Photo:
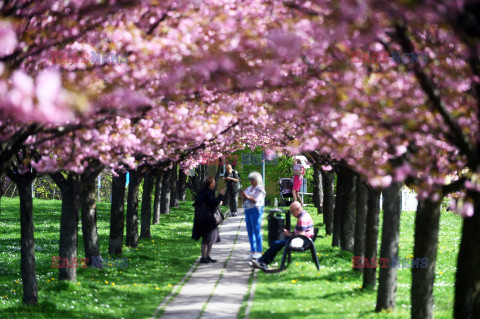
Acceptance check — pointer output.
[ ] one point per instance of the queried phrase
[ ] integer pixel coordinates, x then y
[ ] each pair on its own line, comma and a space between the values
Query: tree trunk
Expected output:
387, 282
347, 231
199, 178
27, 240
360, 220
427, 223
339, 207
117, 221
328, 179
174, 187
89, 218
157, 197
204, 175
132, 209
467, 283
70, 188
371, 238
217, 177
317, 189
182, 185
147, 205
166, 192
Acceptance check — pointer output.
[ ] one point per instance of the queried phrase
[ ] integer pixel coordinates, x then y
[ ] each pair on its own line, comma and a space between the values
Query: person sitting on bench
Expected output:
304, 227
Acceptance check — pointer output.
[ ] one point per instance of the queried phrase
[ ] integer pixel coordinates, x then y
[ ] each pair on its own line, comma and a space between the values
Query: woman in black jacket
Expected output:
204, 223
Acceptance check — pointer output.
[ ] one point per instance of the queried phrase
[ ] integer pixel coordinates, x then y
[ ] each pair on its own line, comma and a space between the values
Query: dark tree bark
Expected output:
339, 207
157, 197
370, 274
89, 217
427, 223
317, 189
196, 181
328, 178
182, 185
146, 213
27, 240
10, 145
204, 175
174, 187
467, 282
347, 230
166, 192
387, 281
217, 178
132, 209
70, 187
360, 220
117, 216
201, 174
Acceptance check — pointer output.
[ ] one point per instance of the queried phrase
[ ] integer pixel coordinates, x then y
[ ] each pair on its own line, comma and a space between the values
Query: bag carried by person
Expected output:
218, 216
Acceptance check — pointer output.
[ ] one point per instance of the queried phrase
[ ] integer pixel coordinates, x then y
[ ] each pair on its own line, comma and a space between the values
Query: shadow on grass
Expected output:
132, 292
338, 275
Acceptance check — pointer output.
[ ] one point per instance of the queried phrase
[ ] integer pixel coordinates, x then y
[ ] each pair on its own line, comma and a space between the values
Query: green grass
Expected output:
154, 268
335, 291
160, 262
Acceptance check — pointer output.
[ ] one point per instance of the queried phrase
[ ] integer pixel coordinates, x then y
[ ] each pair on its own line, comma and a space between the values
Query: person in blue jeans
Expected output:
304, 227
254, 200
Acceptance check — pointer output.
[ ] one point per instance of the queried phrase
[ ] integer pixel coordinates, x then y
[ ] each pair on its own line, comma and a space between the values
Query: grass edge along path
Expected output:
175, 291
223, 269
249, 296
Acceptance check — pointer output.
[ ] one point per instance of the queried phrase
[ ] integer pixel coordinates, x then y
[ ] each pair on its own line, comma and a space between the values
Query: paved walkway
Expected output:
215, 290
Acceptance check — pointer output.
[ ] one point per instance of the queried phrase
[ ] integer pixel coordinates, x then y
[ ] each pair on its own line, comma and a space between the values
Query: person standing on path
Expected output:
254, 200
204, 224
232, 180
298, 172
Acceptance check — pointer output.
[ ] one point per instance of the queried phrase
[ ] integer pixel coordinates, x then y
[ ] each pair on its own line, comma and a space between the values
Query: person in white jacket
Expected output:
254, 200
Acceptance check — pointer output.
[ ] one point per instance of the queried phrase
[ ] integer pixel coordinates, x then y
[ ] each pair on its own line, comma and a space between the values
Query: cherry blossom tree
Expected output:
199, 80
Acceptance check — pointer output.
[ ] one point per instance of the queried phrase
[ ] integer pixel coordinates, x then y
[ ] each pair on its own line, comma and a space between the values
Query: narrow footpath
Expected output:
214, 290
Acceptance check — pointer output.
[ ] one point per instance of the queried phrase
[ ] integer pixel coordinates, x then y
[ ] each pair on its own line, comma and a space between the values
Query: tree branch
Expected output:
58, 178
454, 186
458, 138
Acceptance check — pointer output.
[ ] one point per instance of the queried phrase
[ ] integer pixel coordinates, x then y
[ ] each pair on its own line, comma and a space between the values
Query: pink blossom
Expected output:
23, 83
402, 172
48, 86
386, 181
467, 209
285, 44
400, 150
8, 39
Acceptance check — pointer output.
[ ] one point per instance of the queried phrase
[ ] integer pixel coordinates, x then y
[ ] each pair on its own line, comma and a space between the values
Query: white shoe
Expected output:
259, 265
249, 257
257, 255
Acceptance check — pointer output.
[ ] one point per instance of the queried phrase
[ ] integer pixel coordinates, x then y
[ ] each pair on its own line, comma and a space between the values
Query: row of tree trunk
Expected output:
352, 218
79, 199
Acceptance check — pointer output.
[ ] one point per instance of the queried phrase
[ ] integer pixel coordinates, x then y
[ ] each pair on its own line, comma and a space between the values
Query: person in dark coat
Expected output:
204, 225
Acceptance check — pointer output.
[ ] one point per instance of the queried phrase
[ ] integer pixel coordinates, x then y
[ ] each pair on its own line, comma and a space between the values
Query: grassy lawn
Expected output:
160, 262
335, 291
135, 291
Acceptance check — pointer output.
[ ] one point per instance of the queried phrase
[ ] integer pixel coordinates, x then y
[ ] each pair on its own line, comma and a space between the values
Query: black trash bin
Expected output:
276, 224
